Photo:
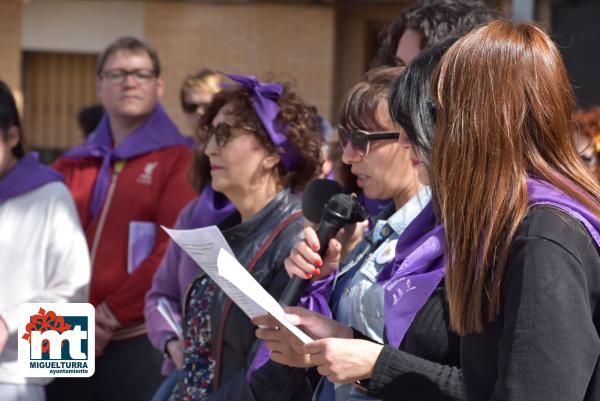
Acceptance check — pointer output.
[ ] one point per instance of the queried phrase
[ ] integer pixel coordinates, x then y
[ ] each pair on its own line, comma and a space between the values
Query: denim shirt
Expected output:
357, 299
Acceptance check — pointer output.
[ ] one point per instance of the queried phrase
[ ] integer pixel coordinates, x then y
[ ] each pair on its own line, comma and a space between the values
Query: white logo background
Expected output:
79, 365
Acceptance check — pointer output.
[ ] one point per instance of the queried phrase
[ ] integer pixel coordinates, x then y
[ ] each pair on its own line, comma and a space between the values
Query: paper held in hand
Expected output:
209, 249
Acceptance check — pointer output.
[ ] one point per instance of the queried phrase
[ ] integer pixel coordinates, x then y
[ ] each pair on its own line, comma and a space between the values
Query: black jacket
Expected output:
426, 367
233, 338
545, 344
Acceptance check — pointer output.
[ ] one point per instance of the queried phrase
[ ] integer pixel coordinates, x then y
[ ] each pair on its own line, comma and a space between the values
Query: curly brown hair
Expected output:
295, 115
436, 21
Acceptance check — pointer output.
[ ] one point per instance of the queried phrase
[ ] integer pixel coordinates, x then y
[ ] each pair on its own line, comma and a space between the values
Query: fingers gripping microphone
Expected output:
322, 202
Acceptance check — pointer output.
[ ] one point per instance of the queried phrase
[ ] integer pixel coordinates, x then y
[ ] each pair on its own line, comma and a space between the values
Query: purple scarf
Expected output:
418, 266
264, 100
211, 209
543, 193
416, 271
315, 298
157, 132
27, 175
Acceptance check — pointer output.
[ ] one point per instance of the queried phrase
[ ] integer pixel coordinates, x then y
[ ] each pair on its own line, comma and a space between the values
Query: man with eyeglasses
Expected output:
129, 178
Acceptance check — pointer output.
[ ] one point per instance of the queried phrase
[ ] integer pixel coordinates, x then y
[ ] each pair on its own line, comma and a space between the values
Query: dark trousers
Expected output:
128, 370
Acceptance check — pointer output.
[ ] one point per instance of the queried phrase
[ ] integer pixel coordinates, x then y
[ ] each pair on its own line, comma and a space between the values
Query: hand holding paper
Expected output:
209, 249
232, 271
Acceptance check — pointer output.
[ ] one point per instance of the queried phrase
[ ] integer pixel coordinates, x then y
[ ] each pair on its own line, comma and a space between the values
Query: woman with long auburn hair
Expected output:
521, 216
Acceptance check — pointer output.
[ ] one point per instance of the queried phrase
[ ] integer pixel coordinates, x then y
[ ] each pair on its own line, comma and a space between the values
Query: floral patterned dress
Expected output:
197, 372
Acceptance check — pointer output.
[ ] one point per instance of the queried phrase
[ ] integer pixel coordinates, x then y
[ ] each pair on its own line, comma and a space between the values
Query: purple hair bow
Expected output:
264, 100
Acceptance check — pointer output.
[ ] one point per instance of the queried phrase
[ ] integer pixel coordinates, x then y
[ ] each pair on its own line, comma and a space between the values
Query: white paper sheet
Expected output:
142, 236
209, 249
165, 310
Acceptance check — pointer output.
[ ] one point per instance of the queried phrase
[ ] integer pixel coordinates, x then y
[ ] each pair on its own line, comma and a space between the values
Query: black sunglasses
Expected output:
189, 107
360, 140
221, 132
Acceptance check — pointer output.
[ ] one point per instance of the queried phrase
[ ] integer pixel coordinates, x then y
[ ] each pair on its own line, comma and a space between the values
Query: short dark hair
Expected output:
436, 21
411, 105
359, 110
128, 44
9, 117
89, 117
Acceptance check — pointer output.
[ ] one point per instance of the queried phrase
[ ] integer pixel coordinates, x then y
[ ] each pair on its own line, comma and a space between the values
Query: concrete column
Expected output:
523, 10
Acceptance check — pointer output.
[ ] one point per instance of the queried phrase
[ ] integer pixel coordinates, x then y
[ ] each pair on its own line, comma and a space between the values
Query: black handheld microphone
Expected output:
339, 210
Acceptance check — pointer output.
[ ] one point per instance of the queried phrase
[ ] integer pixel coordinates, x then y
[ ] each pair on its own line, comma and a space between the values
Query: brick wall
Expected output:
355, 25
10, 44
294, 42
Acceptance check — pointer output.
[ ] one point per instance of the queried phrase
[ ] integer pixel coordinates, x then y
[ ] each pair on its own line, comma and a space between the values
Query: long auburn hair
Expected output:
504, 113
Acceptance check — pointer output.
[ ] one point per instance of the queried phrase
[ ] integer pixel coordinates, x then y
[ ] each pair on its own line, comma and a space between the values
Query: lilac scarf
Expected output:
27, 175
416, 271
418, 266
211, 209
419, 263
315, 298
264, 100
157, 132
544, 193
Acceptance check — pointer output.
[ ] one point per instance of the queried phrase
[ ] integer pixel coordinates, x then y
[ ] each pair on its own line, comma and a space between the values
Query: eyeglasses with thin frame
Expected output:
118, 76
360, 140
222, 132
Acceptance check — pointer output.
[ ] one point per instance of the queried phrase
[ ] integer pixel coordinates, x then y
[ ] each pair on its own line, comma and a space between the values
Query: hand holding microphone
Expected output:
305, 261
319, 252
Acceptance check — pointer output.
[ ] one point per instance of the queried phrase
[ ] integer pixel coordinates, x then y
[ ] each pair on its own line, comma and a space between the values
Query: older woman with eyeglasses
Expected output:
261, 147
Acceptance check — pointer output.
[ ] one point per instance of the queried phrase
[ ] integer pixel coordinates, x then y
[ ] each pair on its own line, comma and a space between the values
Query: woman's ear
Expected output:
271, 161
13, 136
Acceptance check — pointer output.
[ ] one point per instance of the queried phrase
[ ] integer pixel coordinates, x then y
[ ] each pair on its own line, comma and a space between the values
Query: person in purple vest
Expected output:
522, 218
417, 357
127, 179
43, 252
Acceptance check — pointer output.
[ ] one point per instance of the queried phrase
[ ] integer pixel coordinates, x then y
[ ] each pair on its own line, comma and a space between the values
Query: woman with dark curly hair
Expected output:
261, 147
426, 24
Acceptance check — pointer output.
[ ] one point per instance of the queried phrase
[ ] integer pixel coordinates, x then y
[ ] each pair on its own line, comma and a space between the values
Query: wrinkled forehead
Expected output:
226, 114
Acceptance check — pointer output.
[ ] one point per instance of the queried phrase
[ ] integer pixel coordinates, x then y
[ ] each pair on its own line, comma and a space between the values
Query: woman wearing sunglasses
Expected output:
261, 147
177, 270
196, 93
373, 305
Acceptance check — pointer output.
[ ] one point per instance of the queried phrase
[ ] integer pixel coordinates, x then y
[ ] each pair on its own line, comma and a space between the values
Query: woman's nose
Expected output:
211, 147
